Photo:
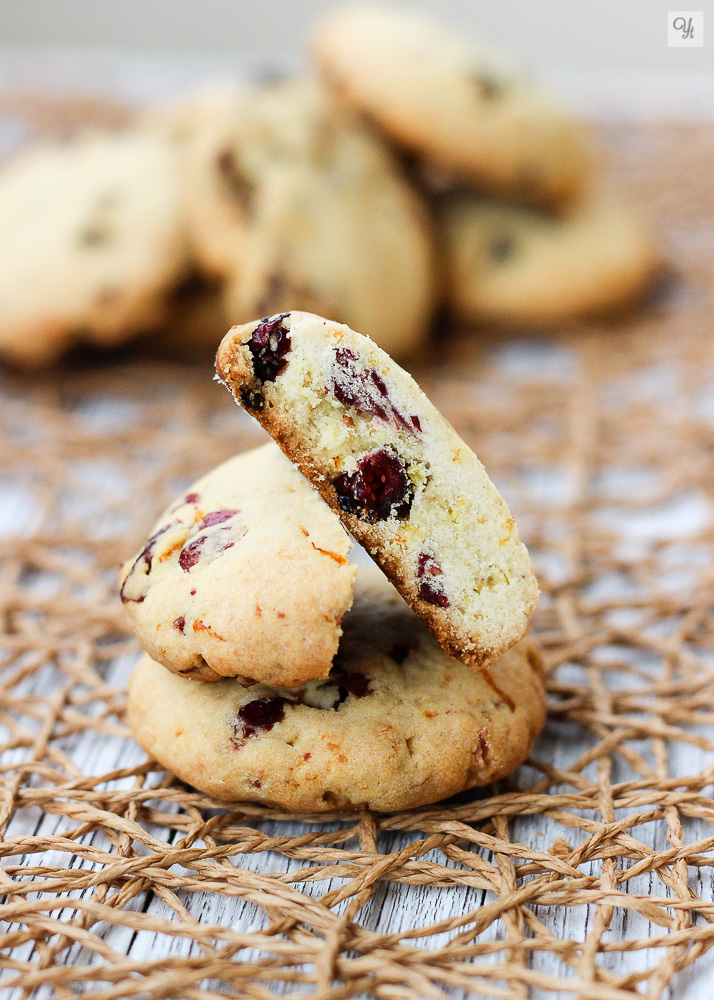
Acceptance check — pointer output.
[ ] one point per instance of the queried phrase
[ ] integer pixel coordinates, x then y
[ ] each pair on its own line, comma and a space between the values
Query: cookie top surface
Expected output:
93, 242
246, 575
295, 202
457, 103
504, 262
403, 482
397, 725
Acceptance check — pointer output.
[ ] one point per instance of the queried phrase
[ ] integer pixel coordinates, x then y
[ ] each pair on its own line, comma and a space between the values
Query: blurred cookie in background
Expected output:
194, 326
93, 242
297, 205
454, 102
505, 263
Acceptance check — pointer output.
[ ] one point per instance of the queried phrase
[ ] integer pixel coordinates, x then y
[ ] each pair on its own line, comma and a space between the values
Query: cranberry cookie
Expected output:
397, 724
93, 242
456, 103
246, 575
403, 482
509, 264
292, 202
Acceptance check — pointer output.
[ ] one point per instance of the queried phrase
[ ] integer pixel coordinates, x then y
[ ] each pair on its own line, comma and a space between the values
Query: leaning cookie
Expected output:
293, 202
397, 724
92, 242
453, 102
403, 482
246, 575
509, 264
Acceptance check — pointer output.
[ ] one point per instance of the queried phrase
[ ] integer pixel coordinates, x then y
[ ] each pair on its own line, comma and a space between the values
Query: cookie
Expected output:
454, 102
398, 724
246, 575
504, 263
295, 204
194, 327
403, 482
93, 242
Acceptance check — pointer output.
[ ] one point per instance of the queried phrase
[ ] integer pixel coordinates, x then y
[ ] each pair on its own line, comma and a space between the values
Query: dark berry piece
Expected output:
179, 624
216, 517
427, 565
252, 400
237, 183
400, 651
489, 86
93, 236
502, 248
269, 344
380, 488
433, 594
431, 589
259, 716
191, 498
191, 553
351, 682
365, 390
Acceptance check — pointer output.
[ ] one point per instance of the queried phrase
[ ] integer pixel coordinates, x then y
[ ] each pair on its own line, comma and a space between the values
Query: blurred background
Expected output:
77, 65
616, 50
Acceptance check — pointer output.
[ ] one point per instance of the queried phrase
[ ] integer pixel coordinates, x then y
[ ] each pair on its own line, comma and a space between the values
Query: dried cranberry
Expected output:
427, 565
351, 682
431, 589
434, 594
365, 390
269, 344
179, 624
191, 553
191, 498
258, 716
502, 248
238, 184
379, 489
489, 87
400, 651
216, 517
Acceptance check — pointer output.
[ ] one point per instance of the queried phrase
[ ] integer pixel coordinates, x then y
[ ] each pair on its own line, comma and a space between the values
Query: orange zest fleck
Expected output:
200, 626
340, 560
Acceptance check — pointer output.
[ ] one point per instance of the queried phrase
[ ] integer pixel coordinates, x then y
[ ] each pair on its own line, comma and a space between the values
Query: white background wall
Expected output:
621, 35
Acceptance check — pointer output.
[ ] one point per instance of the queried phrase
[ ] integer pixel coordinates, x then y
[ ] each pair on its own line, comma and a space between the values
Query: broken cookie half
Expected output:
394, 470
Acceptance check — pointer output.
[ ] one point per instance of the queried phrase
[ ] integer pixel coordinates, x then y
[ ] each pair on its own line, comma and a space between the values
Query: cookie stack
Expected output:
413, 170
277, 671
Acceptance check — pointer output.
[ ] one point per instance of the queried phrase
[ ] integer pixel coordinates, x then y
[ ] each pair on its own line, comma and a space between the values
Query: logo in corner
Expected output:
685, 28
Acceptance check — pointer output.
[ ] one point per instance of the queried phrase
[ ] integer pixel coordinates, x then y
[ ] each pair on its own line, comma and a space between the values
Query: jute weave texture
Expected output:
589, 872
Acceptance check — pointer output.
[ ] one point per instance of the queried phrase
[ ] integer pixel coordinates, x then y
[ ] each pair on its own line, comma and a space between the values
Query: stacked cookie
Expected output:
275, 670
416, 169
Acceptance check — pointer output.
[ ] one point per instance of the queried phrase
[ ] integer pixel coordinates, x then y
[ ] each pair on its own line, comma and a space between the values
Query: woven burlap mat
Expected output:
589, 872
